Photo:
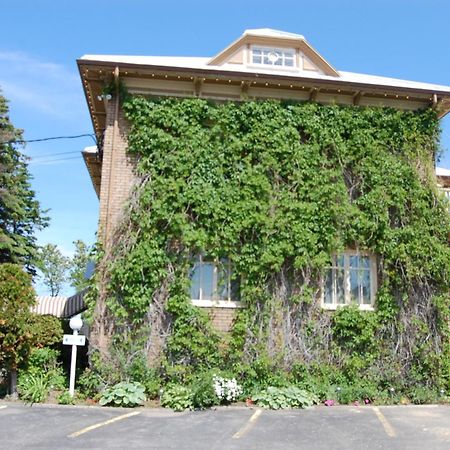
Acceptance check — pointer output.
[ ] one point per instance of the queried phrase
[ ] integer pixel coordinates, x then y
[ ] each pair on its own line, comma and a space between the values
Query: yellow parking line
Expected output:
388, 428
248, 425
102, 424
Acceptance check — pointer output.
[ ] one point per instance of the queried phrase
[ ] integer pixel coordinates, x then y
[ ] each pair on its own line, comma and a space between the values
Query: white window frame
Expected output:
283, 51
336, 303
215, 301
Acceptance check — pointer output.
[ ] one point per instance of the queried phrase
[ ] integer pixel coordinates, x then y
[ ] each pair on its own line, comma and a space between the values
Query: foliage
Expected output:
53, 267
421, 395
34, 387
20, 212
278, 188
124, 394
43, 373
90, 383
16, 298
45, 331
79, 265
65, 398
203, 392
177, 397
286, 397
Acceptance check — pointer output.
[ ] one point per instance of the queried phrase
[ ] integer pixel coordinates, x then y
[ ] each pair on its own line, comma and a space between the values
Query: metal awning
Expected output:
60, 306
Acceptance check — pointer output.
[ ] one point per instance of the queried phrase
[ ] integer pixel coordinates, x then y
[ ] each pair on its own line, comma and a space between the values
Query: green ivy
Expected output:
279, 187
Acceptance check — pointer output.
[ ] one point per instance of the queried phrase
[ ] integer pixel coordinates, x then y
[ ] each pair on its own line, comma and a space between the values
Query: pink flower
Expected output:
366, 401
328, 402
356, 403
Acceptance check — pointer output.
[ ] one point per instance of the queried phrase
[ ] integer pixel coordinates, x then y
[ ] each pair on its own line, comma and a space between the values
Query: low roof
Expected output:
60, 306
441, 172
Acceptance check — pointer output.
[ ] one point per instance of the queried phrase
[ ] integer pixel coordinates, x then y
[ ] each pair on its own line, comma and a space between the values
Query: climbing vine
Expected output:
278, 188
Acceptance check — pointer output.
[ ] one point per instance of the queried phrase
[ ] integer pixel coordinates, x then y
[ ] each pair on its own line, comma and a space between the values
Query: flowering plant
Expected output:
227, 389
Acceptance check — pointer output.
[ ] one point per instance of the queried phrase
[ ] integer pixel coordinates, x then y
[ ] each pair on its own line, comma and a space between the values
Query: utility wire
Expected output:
25, 141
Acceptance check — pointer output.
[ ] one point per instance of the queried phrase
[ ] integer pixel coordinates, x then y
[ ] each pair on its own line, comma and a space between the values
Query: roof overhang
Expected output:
92, 159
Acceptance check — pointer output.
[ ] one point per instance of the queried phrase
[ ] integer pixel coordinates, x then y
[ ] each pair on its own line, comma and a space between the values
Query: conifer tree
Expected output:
20, 213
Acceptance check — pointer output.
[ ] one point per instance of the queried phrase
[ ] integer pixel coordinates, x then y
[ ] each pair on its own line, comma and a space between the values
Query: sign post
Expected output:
74, 340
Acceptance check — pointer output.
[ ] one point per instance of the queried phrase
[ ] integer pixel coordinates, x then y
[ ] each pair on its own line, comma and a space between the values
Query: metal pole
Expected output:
73, 364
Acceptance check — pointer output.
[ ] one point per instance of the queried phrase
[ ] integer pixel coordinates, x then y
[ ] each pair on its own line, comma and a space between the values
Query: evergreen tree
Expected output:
20, 212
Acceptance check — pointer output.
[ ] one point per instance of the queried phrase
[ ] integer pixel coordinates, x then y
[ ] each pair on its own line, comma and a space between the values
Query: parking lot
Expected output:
339, 427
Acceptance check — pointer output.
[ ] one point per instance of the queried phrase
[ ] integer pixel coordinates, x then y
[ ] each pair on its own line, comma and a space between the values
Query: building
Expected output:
261, 64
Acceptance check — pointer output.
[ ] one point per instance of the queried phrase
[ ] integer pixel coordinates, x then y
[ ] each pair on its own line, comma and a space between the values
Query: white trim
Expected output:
217, 304
334, 307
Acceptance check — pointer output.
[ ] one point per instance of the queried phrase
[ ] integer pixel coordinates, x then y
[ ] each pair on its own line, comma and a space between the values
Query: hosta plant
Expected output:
124, 394
284, 397
177, 397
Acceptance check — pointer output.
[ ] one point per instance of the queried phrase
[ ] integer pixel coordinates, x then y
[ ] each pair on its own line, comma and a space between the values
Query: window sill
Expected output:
334, 307
217, 304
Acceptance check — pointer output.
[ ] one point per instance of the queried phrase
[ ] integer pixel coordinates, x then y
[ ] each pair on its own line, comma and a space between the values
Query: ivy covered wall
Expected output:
279, 188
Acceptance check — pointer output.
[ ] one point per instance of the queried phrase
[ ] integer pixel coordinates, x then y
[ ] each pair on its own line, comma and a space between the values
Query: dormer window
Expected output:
271, 56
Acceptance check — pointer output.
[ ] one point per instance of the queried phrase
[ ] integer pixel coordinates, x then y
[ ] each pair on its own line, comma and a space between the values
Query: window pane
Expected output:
366, 287
328, 292
256, 59
340, 286
289, 62
195, 282
354, 261
223, 280
354, 286
207, 282
340, 261
364, 262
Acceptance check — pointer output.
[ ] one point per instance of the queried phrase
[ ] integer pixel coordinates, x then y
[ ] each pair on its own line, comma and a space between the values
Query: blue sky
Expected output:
41, 40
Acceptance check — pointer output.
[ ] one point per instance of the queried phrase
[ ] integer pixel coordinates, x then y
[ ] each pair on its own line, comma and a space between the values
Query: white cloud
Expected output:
43, 86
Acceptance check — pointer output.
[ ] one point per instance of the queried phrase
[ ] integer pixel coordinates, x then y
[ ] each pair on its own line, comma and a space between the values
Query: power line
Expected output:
26, 141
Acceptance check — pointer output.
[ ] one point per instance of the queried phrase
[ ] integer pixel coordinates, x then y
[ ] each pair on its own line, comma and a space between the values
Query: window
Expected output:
212, 283
350, 279
268, 56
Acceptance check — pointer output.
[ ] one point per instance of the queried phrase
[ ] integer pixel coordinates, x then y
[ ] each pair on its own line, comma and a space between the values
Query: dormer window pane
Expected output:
269, 56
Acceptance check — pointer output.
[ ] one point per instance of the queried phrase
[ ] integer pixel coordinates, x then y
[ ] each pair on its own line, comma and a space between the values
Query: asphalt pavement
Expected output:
337, 427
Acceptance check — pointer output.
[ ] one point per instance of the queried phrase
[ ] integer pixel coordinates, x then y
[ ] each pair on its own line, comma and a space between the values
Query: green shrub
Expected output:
124, 394
177, 397
260, 374
34, 387
45, 361
137, 370
203, 393
90, 383
421, 395
65, 398
286, 397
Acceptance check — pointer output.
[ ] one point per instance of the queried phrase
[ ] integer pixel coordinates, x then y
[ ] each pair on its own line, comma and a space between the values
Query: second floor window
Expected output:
268, 56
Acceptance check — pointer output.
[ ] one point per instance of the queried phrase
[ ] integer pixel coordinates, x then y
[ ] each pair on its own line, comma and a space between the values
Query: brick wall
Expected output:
222, 318
117, 171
